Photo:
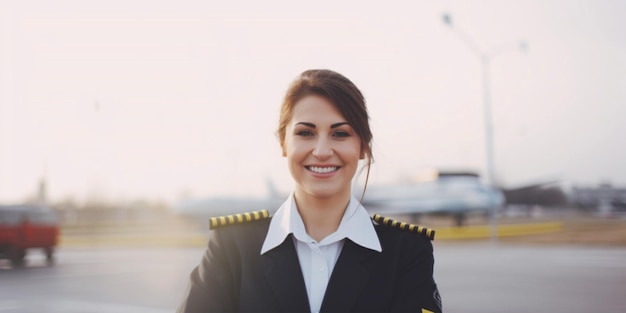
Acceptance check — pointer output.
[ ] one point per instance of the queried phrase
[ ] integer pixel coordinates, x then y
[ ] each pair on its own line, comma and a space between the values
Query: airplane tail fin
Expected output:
271, 189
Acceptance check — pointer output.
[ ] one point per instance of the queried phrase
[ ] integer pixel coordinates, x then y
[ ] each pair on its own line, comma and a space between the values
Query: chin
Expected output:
328, 191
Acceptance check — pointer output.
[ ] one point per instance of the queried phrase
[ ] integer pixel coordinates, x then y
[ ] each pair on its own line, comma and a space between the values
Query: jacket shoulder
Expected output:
418, 230
240, 218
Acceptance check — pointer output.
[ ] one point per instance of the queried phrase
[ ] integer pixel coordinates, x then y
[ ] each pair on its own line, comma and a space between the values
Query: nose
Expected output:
323, 149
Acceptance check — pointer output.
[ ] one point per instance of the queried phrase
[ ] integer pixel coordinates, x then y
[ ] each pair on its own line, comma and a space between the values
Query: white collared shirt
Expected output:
318, 259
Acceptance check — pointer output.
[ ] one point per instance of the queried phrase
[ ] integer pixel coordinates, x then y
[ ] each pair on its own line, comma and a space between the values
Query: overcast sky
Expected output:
158, 99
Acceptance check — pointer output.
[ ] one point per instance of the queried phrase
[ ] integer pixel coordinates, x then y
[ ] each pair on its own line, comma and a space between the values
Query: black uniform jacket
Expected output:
234, 277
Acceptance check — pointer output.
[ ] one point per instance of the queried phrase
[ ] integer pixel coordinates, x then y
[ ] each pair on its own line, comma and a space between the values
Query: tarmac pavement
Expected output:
472, 277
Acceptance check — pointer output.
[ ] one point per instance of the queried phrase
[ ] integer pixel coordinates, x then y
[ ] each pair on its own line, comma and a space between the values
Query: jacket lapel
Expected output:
284, 275
349, 277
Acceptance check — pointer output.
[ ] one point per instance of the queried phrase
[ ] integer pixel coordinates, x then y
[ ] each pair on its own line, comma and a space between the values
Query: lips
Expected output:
322, 169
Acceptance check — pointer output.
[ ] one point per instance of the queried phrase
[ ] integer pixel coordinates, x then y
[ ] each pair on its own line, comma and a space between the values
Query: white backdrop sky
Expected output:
154, 99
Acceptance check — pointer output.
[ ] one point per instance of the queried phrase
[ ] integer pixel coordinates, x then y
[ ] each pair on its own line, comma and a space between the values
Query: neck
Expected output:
321, 216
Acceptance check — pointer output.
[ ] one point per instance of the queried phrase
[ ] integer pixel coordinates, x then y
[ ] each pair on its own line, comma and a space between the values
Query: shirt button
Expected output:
322, 268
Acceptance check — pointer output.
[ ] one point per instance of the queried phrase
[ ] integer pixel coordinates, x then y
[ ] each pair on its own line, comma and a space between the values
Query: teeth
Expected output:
322, 170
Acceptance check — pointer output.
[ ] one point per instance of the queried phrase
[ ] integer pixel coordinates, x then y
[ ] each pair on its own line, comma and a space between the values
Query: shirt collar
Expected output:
355, 225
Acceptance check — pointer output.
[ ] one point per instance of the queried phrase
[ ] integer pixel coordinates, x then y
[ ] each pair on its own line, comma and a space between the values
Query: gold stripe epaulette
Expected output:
241, 218
429, 233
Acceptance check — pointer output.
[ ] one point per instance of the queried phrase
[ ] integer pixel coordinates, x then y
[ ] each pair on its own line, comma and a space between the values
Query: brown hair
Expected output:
342, 93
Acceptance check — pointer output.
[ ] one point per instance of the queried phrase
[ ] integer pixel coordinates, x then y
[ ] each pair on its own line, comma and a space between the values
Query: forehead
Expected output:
314, 107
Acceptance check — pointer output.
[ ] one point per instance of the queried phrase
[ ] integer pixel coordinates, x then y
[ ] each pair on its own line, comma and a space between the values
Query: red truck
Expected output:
24, 227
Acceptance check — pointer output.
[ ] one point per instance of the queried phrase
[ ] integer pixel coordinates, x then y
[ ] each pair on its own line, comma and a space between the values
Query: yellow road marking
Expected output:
199, 240
484, 231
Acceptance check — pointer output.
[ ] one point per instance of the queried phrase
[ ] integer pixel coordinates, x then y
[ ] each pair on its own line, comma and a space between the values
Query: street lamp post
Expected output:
485, 60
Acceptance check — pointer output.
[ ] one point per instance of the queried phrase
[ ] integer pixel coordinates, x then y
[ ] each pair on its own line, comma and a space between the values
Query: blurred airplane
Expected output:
451, 193
220, 206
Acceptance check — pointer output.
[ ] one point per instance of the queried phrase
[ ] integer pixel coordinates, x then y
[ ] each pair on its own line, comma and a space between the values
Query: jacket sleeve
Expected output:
416, 288
211, 286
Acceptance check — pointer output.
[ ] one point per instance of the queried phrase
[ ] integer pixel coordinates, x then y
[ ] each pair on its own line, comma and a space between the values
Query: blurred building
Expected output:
549, 194
604, 198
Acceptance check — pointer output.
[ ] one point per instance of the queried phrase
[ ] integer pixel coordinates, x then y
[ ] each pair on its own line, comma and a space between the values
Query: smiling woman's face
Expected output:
322, 149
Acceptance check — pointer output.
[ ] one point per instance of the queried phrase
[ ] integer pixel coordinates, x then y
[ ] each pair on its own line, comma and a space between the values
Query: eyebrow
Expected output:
331, 126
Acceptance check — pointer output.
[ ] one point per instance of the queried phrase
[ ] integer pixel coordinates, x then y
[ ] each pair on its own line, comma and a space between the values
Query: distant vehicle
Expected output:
452, 193
24, 227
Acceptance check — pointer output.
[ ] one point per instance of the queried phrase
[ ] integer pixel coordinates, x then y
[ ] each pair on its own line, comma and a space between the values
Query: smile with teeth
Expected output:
322, 170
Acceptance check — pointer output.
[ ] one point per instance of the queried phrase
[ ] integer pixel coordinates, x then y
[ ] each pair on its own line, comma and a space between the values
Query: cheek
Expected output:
292, 149
294, 163
357, 149
351, 152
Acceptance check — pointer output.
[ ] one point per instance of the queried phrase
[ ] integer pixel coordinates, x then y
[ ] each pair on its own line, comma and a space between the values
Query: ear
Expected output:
282, 147
362, 155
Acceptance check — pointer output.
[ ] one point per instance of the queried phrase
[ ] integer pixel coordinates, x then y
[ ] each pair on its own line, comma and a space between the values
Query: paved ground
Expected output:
472, 277
577, 266
503, 278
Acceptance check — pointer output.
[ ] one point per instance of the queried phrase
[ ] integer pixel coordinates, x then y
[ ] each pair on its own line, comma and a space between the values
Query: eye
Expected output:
341, 134
304, 133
